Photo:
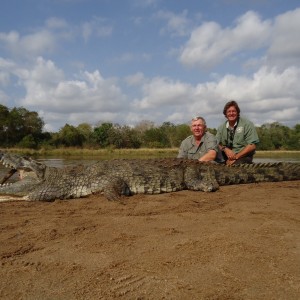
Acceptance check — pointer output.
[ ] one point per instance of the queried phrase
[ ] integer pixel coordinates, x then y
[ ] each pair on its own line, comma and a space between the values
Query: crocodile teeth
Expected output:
7, 165
5, 184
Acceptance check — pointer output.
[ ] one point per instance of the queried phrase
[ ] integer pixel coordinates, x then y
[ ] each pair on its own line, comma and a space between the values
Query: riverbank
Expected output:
128, 153
241, 242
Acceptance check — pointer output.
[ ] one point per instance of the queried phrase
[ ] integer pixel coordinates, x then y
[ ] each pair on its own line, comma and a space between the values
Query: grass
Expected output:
127, 153
99, 153
278, 153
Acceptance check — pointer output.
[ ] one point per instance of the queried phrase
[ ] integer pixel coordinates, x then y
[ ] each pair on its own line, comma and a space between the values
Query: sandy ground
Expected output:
242, 242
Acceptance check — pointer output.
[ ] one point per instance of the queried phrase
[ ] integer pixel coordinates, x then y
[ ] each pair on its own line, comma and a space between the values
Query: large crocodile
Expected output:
118, 177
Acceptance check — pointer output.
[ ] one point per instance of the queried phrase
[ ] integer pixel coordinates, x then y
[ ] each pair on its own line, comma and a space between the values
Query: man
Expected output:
201, 145
237, 136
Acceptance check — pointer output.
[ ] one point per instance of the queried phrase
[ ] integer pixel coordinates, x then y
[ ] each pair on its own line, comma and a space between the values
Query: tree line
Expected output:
24, 129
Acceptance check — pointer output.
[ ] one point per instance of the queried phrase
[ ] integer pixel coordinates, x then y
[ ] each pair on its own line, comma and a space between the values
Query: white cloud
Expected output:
30, 45
48, 91
56, 23
3, 98
145, 3
135, 79
267, 92
262, 97
97, 27
177, 24
209, 44
87, 31
270, 93
160, 92
128, 57
5, 69
10, 38
285, 46
51, 35
4, 78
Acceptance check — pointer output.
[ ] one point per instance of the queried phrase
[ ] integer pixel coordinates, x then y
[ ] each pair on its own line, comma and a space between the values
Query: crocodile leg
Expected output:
203, 180
112, 188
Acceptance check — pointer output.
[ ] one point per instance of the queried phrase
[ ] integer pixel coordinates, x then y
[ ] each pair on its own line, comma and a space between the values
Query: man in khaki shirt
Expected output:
201, 145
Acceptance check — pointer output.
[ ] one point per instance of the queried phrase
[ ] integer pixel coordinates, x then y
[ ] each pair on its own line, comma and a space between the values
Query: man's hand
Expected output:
229, 153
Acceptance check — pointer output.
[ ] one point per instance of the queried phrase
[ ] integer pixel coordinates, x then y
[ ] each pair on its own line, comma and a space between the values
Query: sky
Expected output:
129, 61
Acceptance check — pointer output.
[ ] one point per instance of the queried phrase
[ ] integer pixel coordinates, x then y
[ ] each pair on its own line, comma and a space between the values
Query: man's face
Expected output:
198, 128
231, 114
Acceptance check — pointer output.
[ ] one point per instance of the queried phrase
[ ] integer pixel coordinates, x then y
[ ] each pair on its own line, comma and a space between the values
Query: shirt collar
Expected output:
201, 141
235, 124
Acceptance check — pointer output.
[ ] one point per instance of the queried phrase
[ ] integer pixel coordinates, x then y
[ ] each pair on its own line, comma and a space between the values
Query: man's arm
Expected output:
182, 153
210, 155
248, 149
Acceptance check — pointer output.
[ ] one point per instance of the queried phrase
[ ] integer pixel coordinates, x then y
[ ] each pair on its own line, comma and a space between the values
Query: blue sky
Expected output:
127, 61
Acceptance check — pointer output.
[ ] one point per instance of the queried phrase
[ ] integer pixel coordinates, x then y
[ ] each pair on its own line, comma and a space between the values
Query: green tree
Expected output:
265, 140
155, 138
4, 113
28, 141
294, 140
169, 130
15, 126
144, 125
297, 128
20, 123
102, 133
32, 123
276, 136
70, 136
124, 137
131, 138
86, 131
182, 132
279, 135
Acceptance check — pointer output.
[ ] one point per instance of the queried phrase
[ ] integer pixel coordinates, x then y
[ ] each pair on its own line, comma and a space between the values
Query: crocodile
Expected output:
117, 178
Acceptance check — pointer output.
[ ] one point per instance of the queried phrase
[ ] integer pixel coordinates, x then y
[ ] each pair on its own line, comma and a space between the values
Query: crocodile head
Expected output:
31, 173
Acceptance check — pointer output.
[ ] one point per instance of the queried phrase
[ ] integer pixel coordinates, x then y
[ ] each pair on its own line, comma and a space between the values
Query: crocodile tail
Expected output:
259, 172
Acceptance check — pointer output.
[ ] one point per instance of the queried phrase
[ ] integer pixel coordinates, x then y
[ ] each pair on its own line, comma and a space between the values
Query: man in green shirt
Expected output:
237, 137
201, 145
